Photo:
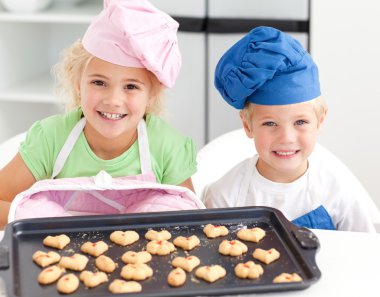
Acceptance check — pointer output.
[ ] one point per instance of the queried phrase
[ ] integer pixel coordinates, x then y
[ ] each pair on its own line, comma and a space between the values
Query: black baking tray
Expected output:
298, 247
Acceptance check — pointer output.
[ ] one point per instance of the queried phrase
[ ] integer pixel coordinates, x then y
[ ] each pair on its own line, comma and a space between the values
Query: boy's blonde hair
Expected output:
68, 73
318, 103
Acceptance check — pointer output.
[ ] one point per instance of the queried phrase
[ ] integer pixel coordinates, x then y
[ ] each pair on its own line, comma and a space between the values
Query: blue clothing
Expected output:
318, 218
267, 67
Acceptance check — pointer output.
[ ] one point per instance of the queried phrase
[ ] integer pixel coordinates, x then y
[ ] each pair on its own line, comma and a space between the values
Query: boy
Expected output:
274, 82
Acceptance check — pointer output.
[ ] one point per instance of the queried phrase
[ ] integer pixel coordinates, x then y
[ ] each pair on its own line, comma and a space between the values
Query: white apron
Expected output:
318, 218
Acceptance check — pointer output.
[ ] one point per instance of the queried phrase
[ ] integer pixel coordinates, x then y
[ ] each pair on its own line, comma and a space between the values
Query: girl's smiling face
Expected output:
285, 136
113, 99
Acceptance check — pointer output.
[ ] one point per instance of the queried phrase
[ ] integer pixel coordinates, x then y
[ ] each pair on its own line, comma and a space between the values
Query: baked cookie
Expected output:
158, 235
136, 272
124, 238
50, 274
177, 277
266, 256
131, 257
105, 264
119, 286
210, 273
58, 242
160, 247
68, 283
287, 278
248, 270
75, 262
45, 259
188, 263
187, 243
94, 248
253, 234
213, 231
93, 279
232, 248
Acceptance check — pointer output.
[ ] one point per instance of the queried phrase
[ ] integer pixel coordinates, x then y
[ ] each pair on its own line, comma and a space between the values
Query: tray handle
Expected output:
4, 257
306, 238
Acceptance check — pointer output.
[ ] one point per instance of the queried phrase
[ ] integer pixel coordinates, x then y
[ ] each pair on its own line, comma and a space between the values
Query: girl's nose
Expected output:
114, 97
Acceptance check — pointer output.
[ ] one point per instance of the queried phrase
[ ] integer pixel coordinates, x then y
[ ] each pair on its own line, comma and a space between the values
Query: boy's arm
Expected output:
356, 218
15, 178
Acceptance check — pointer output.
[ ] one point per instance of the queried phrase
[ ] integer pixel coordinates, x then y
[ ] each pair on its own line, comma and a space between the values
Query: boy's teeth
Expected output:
113, 116
285, 153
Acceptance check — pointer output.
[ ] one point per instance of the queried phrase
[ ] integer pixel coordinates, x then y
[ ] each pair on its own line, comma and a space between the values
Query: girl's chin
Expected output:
112, 136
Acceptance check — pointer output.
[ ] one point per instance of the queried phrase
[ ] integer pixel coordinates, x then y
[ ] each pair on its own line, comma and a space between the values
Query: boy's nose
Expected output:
287, 135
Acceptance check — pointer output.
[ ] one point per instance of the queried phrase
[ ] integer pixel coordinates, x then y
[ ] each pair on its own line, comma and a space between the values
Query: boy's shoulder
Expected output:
224, 191
330, 173
324, 163
233, 177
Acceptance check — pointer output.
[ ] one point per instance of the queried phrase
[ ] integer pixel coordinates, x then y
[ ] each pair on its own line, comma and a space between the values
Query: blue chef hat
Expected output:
266, 67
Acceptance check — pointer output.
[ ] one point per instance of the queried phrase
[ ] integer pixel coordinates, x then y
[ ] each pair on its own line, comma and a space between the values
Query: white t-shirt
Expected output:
327, 182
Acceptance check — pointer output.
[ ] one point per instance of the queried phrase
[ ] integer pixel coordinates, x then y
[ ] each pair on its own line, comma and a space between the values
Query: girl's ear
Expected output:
77, 88
246, 125
155, 91
151, 100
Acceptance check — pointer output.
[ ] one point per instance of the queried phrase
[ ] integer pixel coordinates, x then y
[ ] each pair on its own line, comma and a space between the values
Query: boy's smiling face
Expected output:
285, 136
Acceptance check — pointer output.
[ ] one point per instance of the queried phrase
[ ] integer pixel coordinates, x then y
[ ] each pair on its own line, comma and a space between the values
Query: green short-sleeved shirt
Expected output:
173, 156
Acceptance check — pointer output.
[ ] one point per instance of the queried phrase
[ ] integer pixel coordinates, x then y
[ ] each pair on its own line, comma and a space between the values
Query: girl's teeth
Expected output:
113, 116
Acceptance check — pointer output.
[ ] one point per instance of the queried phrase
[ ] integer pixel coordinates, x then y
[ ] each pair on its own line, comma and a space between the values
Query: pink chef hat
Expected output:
134, 33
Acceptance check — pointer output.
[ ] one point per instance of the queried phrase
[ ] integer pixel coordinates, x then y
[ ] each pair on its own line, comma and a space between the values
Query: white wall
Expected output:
345, 43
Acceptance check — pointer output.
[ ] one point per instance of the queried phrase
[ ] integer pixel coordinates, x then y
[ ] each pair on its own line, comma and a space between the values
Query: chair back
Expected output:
221, 154
9, 148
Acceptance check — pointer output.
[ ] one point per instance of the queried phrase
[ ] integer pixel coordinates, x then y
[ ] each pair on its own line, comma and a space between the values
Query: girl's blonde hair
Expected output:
319, 106
68, 73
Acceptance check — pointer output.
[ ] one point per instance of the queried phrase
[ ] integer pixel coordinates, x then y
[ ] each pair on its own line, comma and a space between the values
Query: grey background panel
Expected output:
264, 9
185, 102
192, 8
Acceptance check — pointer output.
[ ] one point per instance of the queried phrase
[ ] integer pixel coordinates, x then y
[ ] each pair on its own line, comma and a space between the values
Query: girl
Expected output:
115, 77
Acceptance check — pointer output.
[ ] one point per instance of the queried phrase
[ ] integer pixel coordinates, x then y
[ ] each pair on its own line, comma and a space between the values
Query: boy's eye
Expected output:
270, 124
300, 122
98, 83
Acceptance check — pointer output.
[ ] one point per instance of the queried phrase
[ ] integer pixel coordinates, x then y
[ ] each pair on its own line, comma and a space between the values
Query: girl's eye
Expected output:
300, 122
98, 83
270, 124
131, 87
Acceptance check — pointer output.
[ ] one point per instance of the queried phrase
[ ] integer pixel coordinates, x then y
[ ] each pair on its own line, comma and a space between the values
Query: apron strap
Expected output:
244, 187
68, 146
142, 136
145, 161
